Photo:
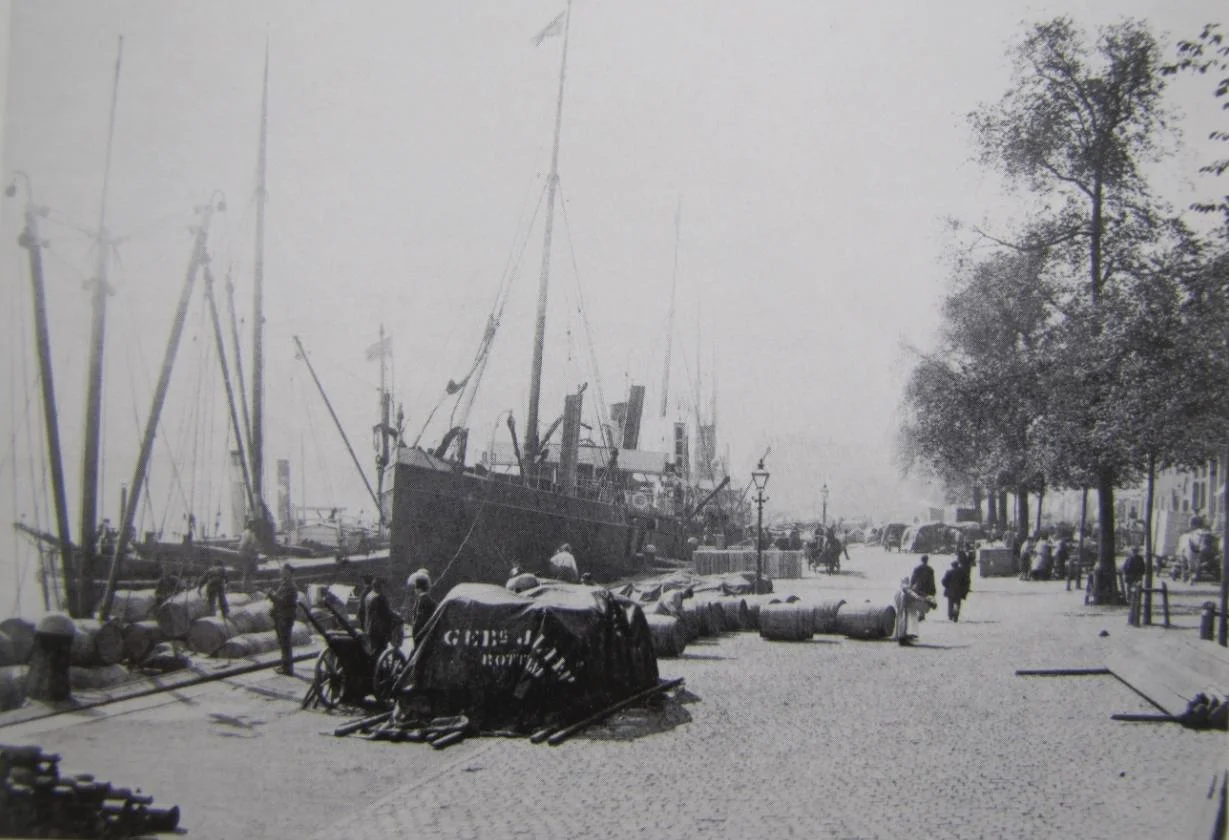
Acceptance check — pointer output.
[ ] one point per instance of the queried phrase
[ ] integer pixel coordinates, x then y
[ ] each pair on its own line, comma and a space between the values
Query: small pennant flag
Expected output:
555, 27
381, 349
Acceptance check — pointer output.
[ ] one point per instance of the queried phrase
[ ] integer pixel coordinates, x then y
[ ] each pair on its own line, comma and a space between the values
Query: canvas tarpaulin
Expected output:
555, 653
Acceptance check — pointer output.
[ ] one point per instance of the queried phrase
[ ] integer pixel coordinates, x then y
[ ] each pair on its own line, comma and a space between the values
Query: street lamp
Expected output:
759, 477
824, 493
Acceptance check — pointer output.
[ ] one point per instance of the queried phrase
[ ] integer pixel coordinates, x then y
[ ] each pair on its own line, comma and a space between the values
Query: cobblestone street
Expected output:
831, 738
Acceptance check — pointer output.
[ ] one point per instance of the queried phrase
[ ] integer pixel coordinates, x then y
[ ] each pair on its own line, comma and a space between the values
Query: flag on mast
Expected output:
555, 27
381, 349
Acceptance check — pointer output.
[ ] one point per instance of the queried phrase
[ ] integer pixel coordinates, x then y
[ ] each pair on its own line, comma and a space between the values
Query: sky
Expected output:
815, 152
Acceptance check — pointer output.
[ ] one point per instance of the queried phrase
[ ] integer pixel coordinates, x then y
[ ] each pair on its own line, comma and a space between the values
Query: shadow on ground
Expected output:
639, 721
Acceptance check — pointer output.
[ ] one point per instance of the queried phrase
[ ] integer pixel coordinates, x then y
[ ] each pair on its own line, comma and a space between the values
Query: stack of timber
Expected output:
776, 564
251, 644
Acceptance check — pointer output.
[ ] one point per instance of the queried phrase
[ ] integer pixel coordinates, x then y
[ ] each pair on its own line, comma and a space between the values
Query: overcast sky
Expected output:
816, 150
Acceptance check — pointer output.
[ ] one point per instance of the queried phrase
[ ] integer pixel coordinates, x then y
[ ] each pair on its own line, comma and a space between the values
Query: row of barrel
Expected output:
777, 618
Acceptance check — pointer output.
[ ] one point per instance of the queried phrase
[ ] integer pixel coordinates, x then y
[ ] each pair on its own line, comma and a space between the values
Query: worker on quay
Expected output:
563, 565
424, 607
214, 583
285, 602
907, 600
1133, 568
378, 617
361, 592
922, 581
955, 587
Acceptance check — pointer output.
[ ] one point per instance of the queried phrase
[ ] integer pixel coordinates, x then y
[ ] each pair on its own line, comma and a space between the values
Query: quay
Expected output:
828, 738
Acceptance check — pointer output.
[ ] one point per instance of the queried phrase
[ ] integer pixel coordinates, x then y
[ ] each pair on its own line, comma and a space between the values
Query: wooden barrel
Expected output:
8, 651
689, 619
668, 635
103, 676
133, 605
12, 686
737, 616
756, 602
175, 617
865, 621
251, 644
21, 633
785, 622
140, 639
823, 615
209, 633
97, 643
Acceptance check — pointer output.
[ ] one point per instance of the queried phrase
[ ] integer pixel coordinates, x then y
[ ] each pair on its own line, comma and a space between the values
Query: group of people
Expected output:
917, 593
1042, 558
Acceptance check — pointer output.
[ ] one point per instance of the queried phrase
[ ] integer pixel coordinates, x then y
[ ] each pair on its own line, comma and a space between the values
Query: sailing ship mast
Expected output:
93, 398
257, 455
532, 443
674, 281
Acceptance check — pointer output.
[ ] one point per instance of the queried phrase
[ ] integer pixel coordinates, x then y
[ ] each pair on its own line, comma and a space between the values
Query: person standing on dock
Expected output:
563, 565
168, 584
906, 601
378, 617
214, 583
424, 607
285, 602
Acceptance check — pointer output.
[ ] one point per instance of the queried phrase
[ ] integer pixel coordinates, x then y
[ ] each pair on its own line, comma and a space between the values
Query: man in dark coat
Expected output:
378, 617
955, 588
285, 603
424, 606
922, 581
1133, 568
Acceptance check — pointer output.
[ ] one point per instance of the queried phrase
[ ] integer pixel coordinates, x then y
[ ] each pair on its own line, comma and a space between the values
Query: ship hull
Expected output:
464, 527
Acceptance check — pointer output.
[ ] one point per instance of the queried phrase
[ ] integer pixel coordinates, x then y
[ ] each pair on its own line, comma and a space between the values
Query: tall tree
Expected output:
1208, 53
1077, 125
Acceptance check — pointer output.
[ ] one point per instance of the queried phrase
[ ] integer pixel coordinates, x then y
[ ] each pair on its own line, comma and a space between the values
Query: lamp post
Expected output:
759, 477
824, 493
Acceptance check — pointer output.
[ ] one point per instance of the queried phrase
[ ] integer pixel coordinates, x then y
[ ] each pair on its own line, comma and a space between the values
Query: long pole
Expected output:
155, 410
382, 441
539, 331
93, 397
258, 321
358, 466
246, 441
759, 540
1148, 560
29, 240
674, 280
230, 392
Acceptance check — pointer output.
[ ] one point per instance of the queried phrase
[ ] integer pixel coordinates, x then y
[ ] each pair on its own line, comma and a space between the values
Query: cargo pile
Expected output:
36, 801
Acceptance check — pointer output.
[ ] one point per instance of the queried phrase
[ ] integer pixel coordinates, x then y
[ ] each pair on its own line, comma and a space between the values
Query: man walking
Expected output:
922, 581
285, 602
955, 588
424, 607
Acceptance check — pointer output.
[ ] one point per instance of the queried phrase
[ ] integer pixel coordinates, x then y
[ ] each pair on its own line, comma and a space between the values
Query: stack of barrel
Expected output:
705, 615
793, 620
246, 631
36, 801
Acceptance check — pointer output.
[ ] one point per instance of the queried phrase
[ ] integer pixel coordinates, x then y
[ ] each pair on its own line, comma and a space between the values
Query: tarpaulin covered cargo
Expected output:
555, 653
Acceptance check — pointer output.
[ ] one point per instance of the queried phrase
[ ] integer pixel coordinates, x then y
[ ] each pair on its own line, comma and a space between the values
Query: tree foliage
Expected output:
1208, 53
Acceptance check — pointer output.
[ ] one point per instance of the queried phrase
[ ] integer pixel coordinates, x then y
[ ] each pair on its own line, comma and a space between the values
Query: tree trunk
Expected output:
977, 501
1148, 539
1003, 507
1041, 494
1105, 580
1021, 514
992, 518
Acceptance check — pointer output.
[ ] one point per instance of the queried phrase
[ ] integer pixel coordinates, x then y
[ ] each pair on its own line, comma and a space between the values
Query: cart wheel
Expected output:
388, 668
330, 679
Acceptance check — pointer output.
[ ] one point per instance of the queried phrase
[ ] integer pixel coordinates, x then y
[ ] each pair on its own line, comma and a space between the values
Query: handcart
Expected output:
348, 670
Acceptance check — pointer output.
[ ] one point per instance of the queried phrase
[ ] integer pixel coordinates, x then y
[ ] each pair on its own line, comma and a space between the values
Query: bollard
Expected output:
1207, 621
49, 661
